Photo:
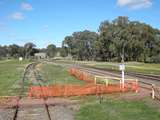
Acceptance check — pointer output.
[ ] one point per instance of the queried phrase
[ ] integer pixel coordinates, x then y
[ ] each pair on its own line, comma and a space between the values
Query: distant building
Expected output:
40, 55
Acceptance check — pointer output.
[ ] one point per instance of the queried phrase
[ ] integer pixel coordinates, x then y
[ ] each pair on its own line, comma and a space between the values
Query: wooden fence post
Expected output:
153, 91
137, 86
106, 81
95, 81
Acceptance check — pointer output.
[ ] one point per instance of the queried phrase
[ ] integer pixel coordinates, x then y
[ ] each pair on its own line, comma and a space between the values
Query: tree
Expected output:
3, 51
14, 50
51, 50
117, 39
29, 49
80, 45
131, 40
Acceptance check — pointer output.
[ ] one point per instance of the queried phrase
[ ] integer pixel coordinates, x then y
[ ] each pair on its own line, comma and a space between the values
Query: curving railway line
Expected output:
18, 111
17, 106
48, 108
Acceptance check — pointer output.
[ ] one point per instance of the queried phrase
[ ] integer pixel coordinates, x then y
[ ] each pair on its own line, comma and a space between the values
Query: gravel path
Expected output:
7, 114
32, 113
61, 113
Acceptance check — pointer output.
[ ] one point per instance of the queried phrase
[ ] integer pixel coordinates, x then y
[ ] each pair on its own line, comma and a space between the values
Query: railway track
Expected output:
22, 90
139, 75
47, 108
151, 87
37, 75
114, 72
144, 83
29, 68
24, 108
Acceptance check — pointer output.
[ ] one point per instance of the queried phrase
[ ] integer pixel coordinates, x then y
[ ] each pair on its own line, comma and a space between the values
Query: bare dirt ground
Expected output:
7, 114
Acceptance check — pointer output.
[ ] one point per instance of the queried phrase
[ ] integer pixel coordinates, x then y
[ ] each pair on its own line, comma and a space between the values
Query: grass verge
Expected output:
56, 74
11, 72
118, 110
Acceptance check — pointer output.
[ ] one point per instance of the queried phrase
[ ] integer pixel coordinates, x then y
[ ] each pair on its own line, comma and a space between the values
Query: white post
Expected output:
137, 86
95, 81
122, 79
122, 68
120, 84
153, 92
106, 82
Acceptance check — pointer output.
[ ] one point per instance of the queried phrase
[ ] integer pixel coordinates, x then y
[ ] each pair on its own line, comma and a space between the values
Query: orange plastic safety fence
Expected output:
133, 85
81, 75
78, 90
73, 90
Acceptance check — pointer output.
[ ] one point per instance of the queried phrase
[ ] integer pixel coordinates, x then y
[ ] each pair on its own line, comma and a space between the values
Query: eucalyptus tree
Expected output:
51, 50
29, 49
81, 44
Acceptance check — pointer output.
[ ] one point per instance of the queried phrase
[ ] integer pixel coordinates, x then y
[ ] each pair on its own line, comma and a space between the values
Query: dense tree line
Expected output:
27, 51
117, 39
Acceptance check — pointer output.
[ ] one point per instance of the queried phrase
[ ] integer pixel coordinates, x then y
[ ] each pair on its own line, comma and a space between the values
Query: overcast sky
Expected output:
48, 21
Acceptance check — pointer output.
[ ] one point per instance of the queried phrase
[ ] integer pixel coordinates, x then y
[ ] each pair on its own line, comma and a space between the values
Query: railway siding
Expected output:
32, 113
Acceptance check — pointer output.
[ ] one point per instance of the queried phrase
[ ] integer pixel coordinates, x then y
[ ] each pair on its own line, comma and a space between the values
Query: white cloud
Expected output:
26, 6
135, 4
17, 16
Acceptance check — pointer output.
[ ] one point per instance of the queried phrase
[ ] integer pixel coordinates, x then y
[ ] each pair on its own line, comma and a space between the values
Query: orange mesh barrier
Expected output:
133, 85
73, 90
81, 75
78, 90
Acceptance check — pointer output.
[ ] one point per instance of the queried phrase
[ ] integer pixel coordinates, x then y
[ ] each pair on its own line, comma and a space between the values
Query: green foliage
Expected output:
51, 50
120, 38
15, 51
80, 45
64, 51
29, 49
